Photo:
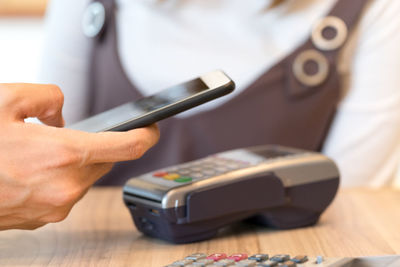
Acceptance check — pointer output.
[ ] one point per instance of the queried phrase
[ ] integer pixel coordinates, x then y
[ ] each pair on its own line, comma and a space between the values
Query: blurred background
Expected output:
21, 39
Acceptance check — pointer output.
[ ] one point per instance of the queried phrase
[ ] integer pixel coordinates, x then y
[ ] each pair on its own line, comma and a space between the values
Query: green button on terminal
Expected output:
183, 179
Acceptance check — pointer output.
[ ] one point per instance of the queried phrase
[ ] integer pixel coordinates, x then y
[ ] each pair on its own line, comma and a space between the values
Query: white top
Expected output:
162, 43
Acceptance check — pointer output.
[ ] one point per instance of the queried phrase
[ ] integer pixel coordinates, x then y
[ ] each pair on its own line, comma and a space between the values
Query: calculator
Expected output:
271, 185
282, 260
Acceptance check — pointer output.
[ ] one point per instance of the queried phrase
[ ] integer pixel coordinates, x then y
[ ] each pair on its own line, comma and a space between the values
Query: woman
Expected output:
318, 75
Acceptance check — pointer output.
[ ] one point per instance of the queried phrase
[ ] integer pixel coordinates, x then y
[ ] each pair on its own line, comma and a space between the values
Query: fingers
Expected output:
104, 147
120, 146
32, 100
61, 147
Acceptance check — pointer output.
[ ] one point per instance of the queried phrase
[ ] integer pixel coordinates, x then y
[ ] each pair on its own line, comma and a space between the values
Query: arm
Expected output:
364, 138
66, 55
45, 170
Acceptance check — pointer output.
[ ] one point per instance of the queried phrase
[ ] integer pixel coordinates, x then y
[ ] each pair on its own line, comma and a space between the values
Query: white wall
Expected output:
21, 41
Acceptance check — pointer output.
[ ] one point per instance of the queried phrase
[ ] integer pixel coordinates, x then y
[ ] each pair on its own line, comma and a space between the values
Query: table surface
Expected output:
100, 232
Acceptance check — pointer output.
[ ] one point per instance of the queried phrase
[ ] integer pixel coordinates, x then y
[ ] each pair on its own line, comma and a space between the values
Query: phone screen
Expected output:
121, 114
170, 95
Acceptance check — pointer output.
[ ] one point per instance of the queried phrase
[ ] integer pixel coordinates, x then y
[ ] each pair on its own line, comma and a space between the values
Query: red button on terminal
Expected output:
217, 256
237, 257
160, 174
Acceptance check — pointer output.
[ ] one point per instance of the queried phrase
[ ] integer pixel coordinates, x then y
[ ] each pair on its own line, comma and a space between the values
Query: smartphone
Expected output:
168, 102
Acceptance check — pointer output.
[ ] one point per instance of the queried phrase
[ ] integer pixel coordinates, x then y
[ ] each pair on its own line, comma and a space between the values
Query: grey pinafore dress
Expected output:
292, 104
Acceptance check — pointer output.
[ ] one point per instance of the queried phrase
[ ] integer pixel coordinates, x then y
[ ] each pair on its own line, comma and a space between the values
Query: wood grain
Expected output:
99, 232
22, 7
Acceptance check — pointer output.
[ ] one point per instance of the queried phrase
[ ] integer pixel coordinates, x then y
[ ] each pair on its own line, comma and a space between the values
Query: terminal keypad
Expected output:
200, 169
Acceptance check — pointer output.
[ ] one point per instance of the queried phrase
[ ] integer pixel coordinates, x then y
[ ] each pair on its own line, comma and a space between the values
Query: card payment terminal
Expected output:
275, 186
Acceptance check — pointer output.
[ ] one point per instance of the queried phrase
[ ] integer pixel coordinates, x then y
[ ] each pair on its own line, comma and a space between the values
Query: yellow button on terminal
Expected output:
171, 176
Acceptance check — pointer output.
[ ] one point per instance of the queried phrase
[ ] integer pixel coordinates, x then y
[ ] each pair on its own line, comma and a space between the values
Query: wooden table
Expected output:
99, 232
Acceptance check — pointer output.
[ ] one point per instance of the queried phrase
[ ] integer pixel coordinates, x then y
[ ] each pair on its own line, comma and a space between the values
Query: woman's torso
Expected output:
277, 107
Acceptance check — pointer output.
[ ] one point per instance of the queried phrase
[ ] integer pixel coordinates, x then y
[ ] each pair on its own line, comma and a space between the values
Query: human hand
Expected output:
44, 169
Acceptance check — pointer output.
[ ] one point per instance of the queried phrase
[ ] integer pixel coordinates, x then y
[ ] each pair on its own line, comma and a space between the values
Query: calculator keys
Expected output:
246, 263
319, 260
259, 257
225, 262
267, 263
300, 259
288, 264
182, 262
280, 258
196, 256
217, 256
203, 262
241, 259
238, 257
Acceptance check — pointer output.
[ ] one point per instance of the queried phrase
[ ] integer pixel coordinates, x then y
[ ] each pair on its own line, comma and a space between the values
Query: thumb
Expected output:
109, 147
23, 100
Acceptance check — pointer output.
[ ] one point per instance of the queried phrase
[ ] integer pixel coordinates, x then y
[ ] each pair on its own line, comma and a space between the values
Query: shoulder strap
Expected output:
348, 11
314, 62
